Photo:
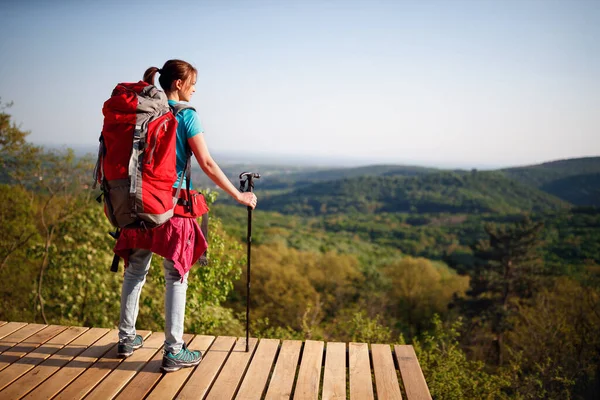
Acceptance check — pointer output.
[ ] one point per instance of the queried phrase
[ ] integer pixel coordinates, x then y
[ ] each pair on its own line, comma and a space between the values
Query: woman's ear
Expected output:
177, 84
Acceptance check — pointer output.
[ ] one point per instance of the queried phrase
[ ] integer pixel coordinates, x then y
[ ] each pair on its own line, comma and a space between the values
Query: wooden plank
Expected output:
8, 328
126, 370
334, 377
386, 379
142, 383
172, 382
19, 335
230, 377
75, 367
284, 373
206, 372
255, 381
361, 385
40, 373
412, 376
29, 361
29, 344
309, 374
85, 382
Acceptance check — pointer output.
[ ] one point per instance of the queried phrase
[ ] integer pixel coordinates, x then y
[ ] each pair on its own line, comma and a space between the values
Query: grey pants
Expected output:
176, 288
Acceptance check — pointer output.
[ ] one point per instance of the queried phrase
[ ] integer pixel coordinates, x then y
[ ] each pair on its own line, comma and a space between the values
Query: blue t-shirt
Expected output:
188, 126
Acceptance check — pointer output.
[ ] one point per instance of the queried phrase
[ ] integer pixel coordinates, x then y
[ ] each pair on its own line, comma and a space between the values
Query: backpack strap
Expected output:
179, 107
176, 109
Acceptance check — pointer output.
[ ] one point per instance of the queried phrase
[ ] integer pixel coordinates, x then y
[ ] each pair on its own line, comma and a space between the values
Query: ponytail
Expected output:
170, 72
149, 75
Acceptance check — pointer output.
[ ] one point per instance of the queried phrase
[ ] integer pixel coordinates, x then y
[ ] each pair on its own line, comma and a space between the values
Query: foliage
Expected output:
509, 274
280, 292
263, 328
355, 325
448, 372
79, 289
16, 154
566, 319
417, 289
17, 216
581, 190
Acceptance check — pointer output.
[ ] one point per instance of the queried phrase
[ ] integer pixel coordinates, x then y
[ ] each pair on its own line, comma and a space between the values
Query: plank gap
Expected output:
272, 370
372, 371
297, 370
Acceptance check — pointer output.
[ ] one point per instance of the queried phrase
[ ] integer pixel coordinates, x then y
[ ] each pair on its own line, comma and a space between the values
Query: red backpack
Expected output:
136, 166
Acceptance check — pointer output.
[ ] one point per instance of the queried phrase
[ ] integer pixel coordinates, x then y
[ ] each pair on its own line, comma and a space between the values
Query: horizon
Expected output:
484, 84
226, 159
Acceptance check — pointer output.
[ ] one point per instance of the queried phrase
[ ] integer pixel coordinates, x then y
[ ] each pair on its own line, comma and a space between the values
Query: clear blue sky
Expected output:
446, 82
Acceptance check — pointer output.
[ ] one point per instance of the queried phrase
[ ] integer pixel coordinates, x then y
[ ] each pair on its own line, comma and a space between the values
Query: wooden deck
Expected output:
51, 361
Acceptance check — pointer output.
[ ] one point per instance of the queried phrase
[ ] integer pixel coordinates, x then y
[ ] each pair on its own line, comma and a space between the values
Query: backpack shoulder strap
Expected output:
178, 107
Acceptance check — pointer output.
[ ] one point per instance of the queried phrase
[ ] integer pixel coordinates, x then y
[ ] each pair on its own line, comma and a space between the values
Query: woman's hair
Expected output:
170, 72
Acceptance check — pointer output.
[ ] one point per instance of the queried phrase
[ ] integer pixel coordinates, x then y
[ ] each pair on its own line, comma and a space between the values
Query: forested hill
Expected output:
581, 190
451, 192
574, 180
287, 178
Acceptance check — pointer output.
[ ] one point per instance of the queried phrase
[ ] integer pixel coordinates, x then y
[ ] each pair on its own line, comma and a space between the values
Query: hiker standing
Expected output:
171, 240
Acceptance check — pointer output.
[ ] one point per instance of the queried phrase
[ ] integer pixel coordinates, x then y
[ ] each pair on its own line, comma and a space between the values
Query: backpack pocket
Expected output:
117, 203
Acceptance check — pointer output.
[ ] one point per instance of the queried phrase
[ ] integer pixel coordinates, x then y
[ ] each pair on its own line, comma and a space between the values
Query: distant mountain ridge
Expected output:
435, 192
574, 180
541, 174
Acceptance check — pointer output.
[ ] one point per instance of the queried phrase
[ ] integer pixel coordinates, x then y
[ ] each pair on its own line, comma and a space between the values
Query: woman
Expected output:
178, 80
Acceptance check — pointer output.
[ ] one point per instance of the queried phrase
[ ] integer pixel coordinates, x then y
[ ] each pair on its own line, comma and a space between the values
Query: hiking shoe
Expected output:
125, 348
185, 358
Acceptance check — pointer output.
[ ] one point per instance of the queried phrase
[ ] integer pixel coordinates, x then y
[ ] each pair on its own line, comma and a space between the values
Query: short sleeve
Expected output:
192, 123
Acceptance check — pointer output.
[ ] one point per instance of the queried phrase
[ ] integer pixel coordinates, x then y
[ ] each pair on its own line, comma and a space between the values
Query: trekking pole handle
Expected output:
247, 181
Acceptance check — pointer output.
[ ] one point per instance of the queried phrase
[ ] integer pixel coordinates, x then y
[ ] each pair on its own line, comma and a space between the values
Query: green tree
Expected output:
16, 203
60, 186
448, 372
280, 292
555, 343
17, 221
417, 288
355, 325
79, 288
17, 156
511, 272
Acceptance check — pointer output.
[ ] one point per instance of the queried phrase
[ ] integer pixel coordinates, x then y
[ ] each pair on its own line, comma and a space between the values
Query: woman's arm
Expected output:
214, 172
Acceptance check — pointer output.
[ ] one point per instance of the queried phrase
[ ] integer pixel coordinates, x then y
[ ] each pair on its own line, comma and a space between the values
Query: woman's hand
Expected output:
248, 199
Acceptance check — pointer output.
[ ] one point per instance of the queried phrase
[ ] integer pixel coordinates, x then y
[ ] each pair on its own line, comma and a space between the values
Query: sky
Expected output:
452, 83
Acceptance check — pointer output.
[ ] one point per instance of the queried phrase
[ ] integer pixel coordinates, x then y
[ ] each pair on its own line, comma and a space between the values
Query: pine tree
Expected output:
509, 272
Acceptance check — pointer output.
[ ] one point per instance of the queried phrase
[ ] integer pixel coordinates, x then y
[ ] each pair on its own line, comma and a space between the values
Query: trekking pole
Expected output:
247, 185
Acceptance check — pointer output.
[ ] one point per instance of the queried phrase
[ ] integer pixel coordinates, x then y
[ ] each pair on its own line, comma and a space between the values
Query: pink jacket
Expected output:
178, 239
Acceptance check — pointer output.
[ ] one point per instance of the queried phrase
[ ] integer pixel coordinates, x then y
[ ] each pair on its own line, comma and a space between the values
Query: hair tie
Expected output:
159, 71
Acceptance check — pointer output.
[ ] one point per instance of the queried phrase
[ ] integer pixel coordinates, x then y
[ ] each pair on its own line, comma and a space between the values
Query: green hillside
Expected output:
440, 192
573, 180
581, 190
540, 174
